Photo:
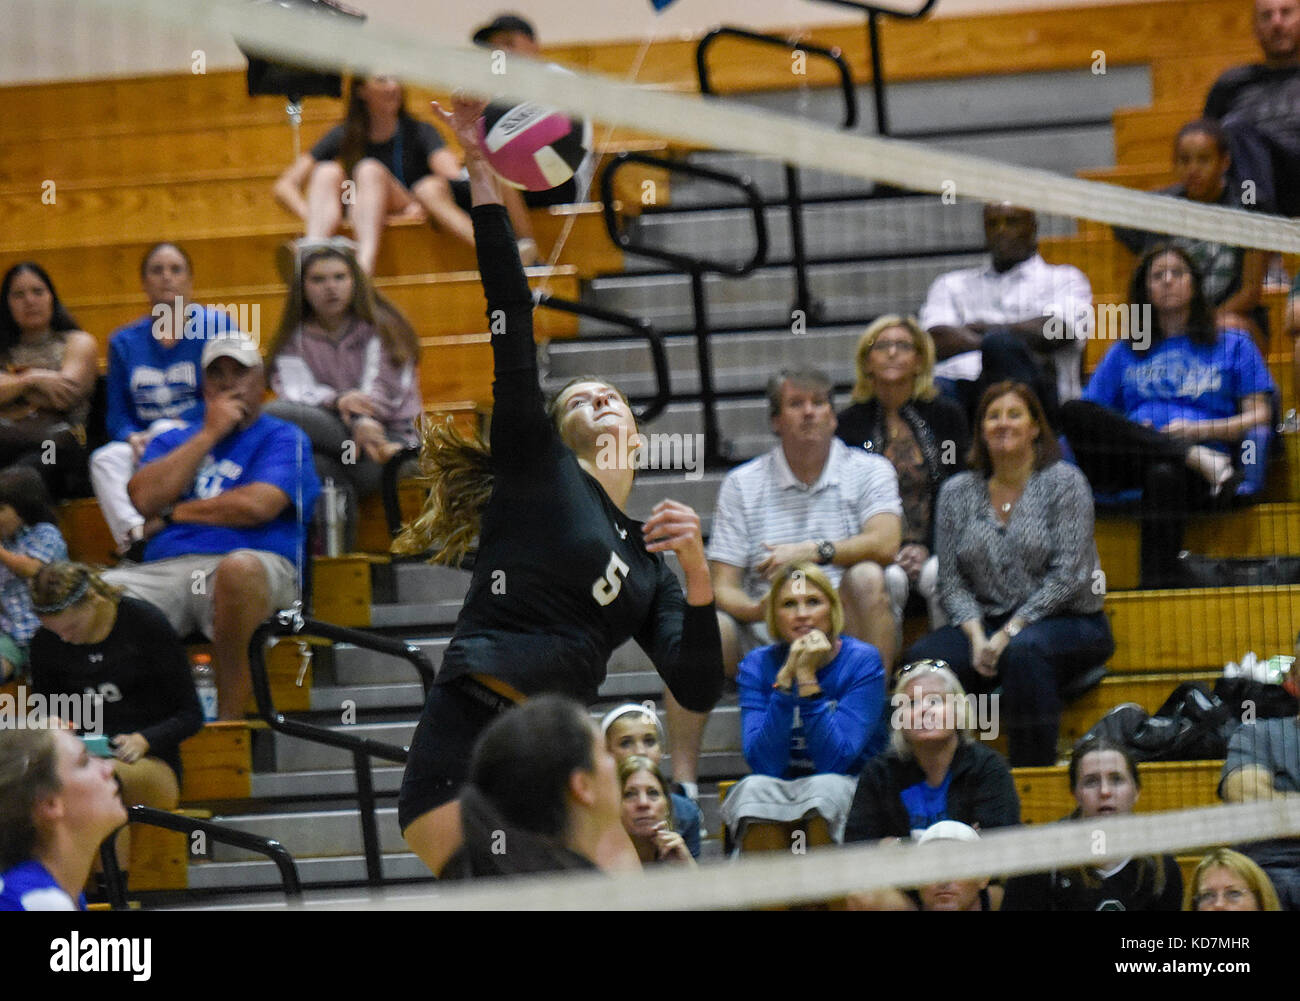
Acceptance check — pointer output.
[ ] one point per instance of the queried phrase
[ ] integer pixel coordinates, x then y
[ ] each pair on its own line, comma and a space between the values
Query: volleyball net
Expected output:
919, 215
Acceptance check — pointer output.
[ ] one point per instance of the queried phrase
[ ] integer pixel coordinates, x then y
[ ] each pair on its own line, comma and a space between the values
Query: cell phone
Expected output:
99, 745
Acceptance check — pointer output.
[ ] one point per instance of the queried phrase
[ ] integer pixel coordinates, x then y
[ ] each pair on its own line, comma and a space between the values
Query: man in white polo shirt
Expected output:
1016, 317
813, 499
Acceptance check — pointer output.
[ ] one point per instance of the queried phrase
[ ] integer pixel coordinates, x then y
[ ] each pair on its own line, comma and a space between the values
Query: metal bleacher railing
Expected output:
362, 749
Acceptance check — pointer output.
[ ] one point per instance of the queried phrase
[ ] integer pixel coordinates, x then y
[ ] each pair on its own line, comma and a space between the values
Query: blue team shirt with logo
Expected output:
28, 886
926, 805
1180, 379
271, 451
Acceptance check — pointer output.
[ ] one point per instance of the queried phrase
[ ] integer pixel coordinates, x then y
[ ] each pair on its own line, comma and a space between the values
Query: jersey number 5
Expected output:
606, 588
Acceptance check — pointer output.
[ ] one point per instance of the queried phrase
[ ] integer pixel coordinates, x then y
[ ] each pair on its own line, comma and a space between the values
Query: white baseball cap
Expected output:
948, 830
234, 345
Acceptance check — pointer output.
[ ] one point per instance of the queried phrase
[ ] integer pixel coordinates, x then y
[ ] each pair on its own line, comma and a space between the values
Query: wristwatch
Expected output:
825, 552
1011, 629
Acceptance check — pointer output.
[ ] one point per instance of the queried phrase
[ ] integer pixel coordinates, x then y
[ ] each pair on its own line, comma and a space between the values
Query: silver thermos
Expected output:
335, 503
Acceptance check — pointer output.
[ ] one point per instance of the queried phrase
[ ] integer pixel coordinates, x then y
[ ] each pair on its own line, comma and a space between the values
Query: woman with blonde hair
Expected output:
94, 638
1226, 880
811, 714
563, 575
58, 803
648, 813
898, 413
933, 770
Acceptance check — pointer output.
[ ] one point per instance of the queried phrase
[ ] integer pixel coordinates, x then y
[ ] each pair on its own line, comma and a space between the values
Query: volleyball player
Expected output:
562, 575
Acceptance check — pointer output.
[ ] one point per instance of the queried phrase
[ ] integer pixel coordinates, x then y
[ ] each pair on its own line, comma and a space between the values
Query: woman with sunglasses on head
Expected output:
343, 366
898, 413
811, 714
1018, 573
562, 575
1105, 782
58, 803
634, 729
933, 770
1183, 416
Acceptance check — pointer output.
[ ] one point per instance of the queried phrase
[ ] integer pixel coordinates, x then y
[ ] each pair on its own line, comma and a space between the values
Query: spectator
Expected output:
94, 639
398, 165
633, 728
1229, 881
514, 36
29, 538
1174, 416
1259, 108
1292, 327
57, 804
898, 413
47, 374
1018, 573
934, 770
1016, 318
810, 499
946, 895
1232, 277
1264, 763
542, 794
153, 385
811, 714
343, 366
233, 492
1105, 782
647, 813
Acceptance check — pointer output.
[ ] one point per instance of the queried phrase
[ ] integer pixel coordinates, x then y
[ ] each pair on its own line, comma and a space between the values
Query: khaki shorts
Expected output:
181, 587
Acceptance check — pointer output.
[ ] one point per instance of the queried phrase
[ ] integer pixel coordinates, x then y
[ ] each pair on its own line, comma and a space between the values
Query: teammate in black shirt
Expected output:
563, 575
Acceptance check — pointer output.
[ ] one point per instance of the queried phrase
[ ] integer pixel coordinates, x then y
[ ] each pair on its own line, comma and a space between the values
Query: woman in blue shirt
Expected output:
812, 713
57, 804
1181, 412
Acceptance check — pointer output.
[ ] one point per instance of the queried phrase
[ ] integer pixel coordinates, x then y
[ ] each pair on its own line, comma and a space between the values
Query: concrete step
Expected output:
426, 582
314, 834
701, 494
398, 615
848, 293
294, 754
742, 362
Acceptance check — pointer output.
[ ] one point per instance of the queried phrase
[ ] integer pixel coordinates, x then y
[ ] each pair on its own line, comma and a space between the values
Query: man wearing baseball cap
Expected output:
509, 32
232, 496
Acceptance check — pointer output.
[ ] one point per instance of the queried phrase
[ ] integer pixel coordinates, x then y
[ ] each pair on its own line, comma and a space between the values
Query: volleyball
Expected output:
531, 146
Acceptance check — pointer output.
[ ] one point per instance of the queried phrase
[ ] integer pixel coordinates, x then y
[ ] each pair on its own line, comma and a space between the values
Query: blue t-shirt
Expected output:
271, 451
1180, 379
149, 382
925, 804
28, 886
788, 737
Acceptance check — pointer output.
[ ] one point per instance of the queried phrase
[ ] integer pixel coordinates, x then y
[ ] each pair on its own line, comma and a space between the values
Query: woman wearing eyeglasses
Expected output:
1229, 881
898, 413
1182, 414
933, 769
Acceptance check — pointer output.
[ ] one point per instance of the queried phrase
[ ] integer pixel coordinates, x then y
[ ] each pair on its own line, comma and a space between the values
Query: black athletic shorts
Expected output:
439, 760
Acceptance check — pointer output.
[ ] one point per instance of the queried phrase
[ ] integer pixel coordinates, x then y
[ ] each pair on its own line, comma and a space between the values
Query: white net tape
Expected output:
709, 123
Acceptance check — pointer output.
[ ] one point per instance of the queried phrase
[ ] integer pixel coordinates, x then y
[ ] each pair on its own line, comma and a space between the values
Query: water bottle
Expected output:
205, 684
333, 500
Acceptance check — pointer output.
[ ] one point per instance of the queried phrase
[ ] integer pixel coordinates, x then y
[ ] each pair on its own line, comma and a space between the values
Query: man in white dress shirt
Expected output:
1016, 317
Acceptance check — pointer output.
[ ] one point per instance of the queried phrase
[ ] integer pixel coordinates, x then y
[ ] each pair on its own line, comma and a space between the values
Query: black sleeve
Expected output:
48, 676
329, 145
176, 704
520, 429
1172, 898
869, 814
683, 642
1217, 101
1134, 239
852, 426
997, 804
1030, 892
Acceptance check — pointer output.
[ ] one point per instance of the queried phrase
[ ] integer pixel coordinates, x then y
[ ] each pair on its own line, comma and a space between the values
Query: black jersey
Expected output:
562, 576
1153, 883
140, 670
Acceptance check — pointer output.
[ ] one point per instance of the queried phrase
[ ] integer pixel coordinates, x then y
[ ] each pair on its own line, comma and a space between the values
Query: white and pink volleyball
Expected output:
531, 146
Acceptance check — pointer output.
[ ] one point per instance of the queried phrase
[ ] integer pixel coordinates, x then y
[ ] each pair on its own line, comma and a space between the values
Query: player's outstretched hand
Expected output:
675, 526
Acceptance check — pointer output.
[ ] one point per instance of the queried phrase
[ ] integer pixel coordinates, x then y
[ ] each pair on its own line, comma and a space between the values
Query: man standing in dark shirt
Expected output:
1259, 108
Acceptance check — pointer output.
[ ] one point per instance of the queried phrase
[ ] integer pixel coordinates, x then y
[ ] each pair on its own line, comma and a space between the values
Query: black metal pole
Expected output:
704, 360
802, 297
877, 72
369, 828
